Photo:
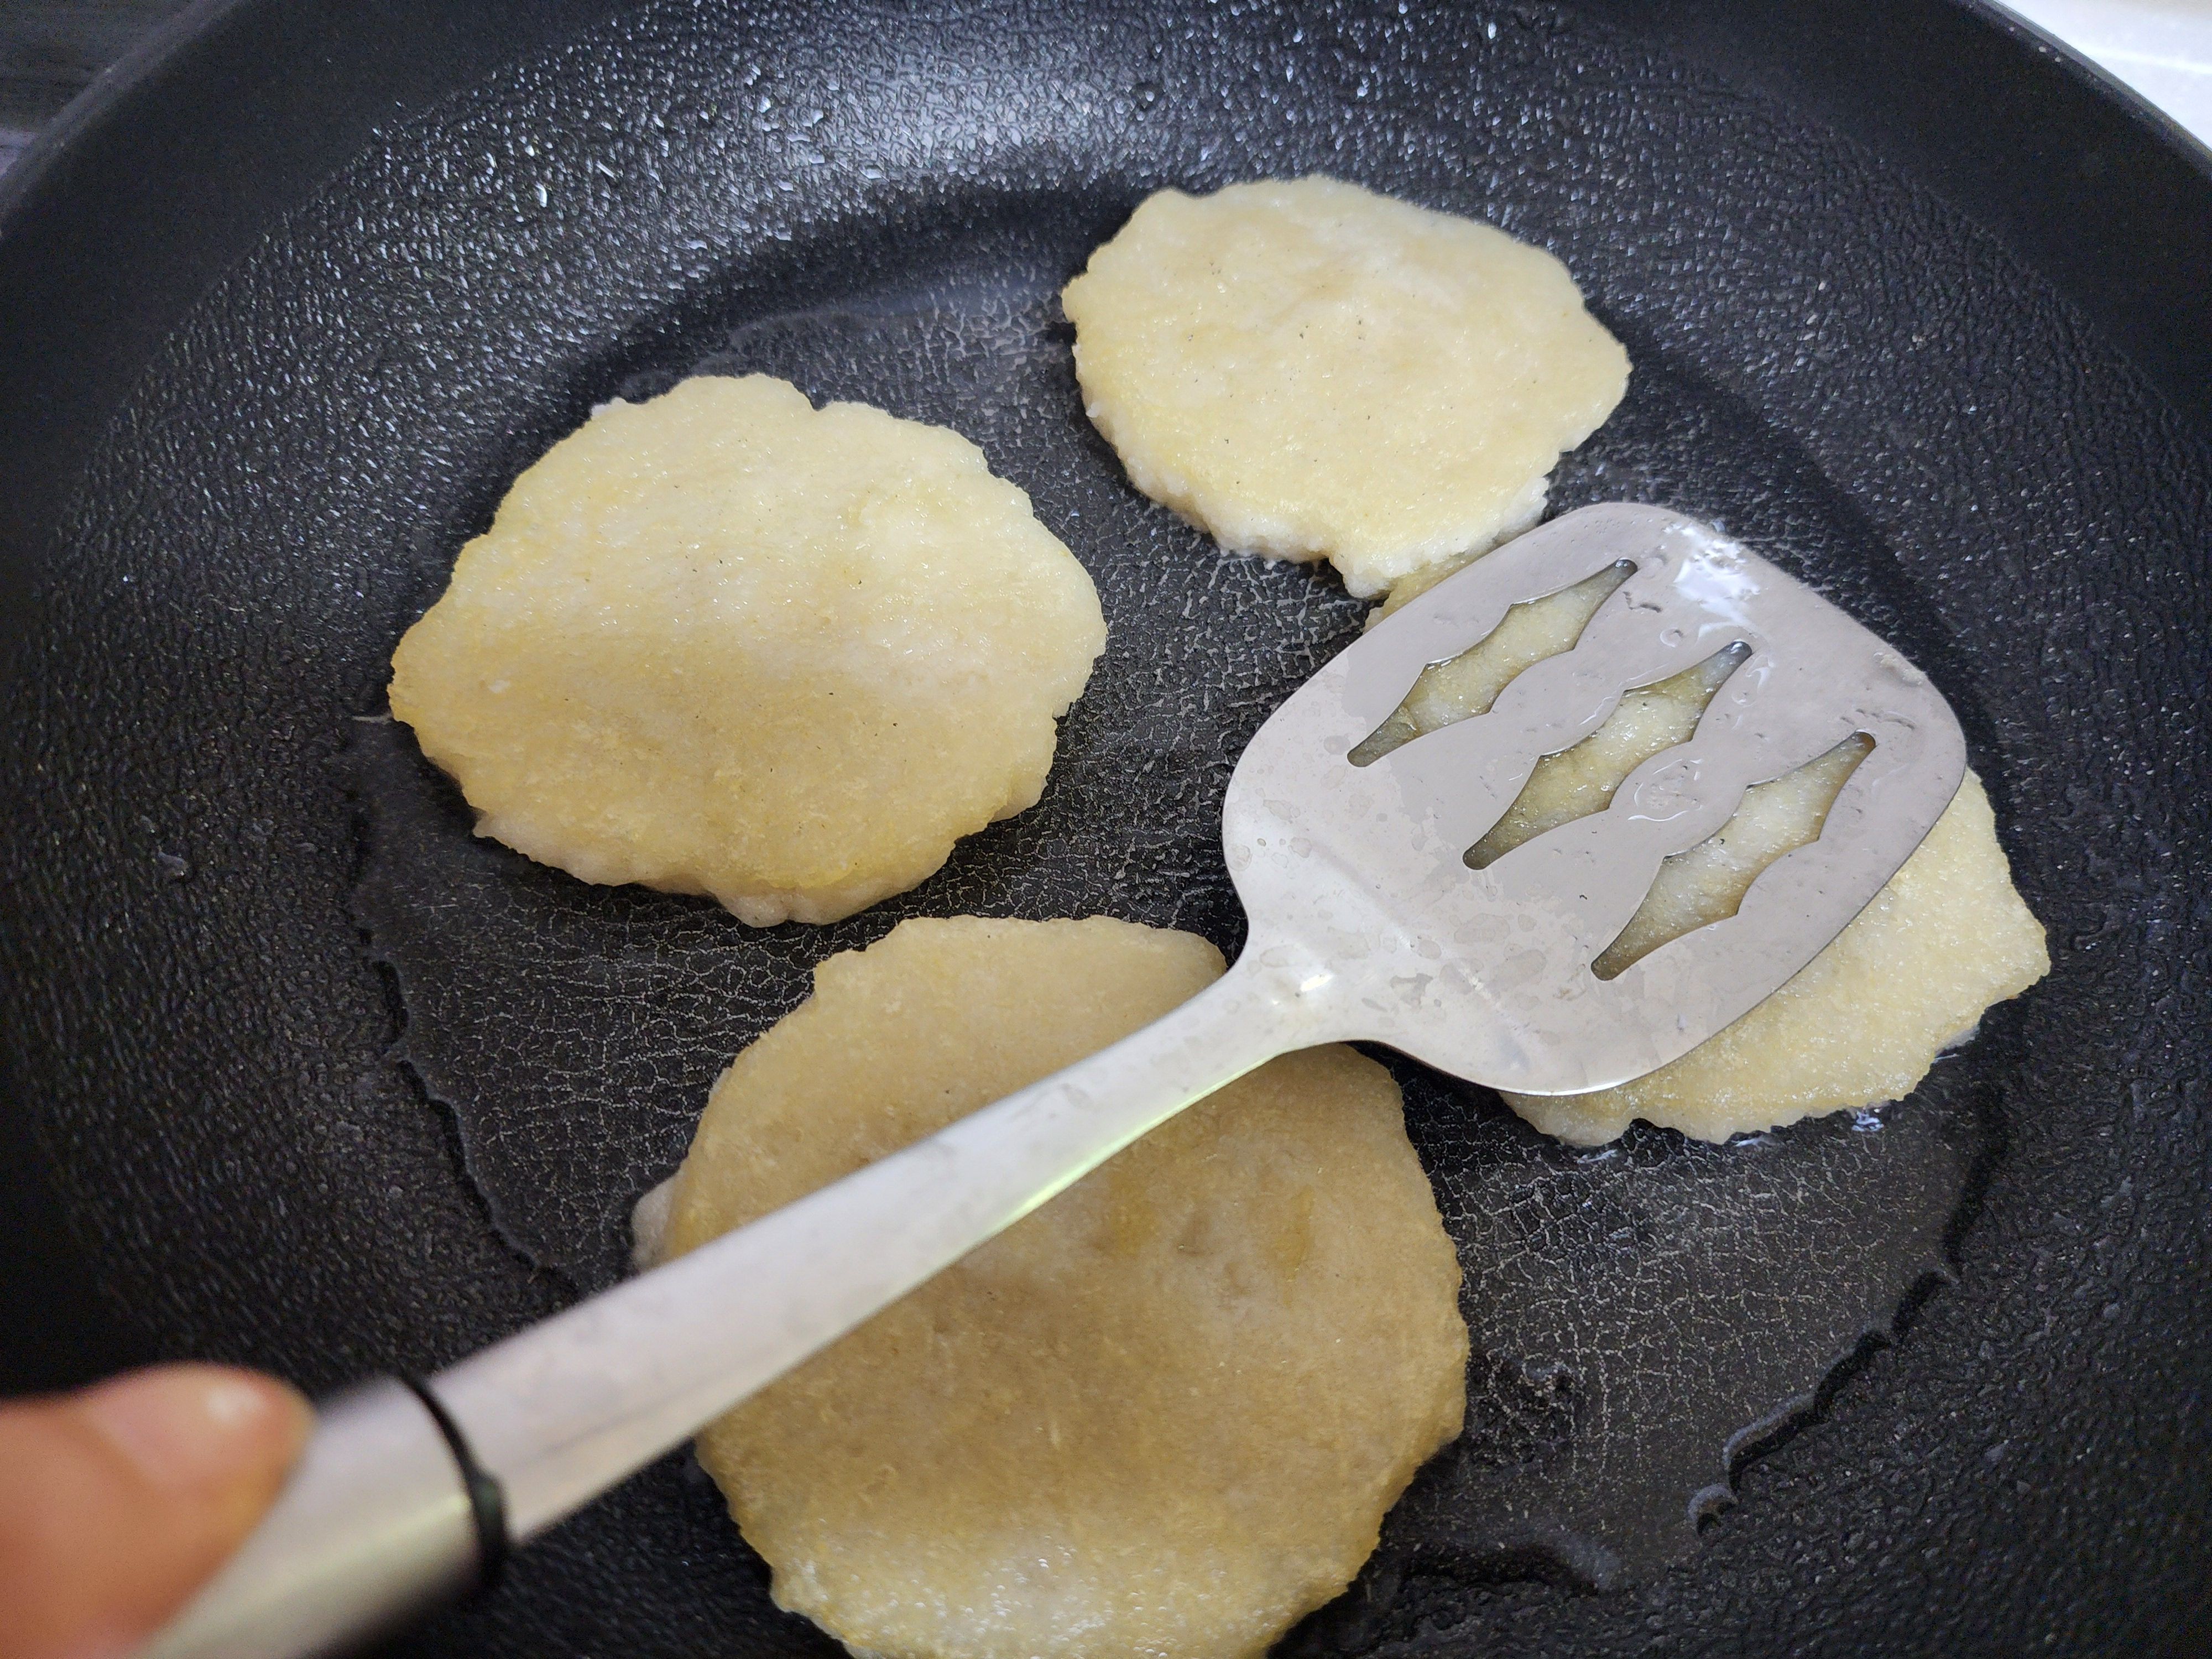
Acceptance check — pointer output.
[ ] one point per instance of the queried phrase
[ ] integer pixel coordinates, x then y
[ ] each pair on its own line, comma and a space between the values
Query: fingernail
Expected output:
187, 1426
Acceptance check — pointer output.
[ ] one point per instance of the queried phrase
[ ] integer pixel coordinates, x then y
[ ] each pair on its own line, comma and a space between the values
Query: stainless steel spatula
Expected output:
1367, 922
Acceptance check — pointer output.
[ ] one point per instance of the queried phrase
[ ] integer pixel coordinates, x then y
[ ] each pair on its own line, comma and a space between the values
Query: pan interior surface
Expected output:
333, 1086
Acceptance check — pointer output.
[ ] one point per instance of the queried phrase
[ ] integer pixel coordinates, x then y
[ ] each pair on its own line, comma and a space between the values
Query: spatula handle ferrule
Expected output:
384, 1515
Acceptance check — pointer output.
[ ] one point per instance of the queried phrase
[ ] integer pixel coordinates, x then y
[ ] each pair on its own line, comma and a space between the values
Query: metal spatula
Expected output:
1367, 922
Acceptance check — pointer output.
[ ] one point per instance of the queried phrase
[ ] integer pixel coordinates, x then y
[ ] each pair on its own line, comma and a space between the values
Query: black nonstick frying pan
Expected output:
299, 1073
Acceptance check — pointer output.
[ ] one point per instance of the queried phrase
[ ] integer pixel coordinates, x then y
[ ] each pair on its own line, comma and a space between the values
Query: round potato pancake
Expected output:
724, 643
1307, 369
1946, 939
1162, 1415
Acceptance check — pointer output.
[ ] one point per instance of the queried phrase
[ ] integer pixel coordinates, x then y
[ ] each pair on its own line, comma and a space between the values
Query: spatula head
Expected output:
1356, 876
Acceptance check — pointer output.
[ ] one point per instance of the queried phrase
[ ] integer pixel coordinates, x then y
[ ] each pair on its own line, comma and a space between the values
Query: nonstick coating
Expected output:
301, 1075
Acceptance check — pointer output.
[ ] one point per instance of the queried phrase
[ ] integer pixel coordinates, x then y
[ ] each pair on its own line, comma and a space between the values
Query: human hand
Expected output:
117, 1501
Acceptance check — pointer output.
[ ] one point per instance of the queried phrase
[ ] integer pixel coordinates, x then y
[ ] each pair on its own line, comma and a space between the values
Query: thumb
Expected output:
120, 1499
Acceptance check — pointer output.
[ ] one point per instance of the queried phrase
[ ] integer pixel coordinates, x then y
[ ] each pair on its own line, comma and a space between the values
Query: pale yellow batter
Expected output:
1163, 1416
725, 642
1307, 369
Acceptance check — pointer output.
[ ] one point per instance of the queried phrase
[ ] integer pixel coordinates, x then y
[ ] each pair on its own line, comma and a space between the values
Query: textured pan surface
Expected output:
269, 1148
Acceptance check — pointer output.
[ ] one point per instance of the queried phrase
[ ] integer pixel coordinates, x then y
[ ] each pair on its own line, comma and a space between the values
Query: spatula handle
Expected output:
404, 1496
562, 1411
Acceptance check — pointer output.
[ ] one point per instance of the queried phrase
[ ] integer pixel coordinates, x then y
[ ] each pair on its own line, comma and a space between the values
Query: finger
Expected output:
119, 1501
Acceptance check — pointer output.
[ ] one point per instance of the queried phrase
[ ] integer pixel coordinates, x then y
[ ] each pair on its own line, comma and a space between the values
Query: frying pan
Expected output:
299, 1073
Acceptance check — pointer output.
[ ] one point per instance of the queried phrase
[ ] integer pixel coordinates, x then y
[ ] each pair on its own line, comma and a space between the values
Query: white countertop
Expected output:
2162, 48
